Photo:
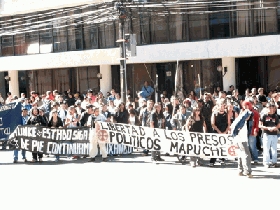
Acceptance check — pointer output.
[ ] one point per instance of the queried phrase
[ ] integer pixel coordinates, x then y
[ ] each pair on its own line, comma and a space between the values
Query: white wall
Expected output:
239, 47
229, 77
11, 7
105, 85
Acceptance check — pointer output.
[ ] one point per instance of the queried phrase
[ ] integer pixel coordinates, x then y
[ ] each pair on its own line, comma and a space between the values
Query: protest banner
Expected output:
58, 141
169, 141
10, 118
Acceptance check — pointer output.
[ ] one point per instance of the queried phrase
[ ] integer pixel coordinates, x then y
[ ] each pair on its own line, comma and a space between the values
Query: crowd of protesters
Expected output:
196, 112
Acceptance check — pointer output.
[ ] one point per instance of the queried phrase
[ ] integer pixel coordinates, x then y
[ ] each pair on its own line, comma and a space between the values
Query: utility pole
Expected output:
122, 16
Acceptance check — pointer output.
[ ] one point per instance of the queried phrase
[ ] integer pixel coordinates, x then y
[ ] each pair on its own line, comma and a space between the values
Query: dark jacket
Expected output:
58, 124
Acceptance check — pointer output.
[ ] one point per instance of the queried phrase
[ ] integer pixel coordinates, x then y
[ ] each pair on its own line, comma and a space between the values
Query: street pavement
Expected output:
133, 182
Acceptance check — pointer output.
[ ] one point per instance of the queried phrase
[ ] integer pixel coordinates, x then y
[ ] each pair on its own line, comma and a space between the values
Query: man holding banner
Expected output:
92, 122
24, 115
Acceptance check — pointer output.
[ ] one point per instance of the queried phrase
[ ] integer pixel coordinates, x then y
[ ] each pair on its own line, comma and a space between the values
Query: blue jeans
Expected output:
269, 143
253, 147
23, 152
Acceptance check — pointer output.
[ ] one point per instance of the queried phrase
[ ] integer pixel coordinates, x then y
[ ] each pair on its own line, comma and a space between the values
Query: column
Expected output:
106, 81
13, 83
229, 77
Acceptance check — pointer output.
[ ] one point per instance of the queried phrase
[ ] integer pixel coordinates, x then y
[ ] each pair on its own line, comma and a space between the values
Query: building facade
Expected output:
64, 45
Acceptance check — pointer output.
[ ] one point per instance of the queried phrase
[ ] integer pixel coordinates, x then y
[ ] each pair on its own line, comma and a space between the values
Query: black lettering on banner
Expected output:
140, 140
165, 133
222, 140
230, 139
182, 149
174, 136
189, 148
207, 139
122, 129
196, 149
215, 150
157, 145
155, 133
150, 143
181, 136
112, 136
127, 128
127, 139
215, 140
111, 126
104, 127
142, 131
200, 138
119, 138
193, 136
174, 146
134, 131
223, 152
203, 150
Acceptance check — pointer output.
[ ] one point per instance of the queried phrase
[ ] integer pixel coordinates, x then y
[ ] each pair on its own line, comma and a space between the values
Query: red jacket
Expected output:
256, 119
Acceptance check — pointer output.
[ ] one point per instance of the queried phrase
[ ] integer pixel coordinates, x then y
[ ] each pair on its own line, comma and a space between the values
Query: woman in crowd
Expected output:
122, 114
36, 119
133, 119
220, 124
55, 122
196, 123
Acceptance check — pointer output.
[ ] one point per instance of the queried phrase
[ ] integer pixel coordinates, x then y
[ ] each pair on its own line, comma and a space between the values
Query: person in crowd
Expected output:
104, 111
157, 121
145, 116
187, 103
9, 98
24, 117
147, 90
85, 115
196, 123
71, 100
231, 88
79, 108
239, 131
220, 124
55, 122
253, 130
133, 119
38, 120
231, 111
62, 112
72, 121
111, 107
178, 122
117, 100
112, 96
206, 110
92, 122
270, 123
43, 115
101, 96
122, 114
2, 101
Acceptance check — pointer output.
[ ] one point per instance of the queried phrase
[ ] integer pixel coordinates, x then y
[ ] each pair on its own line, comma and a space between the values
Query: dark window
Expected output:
178, 27
241, 17
144, 30
198, 26
218, 22
159, 29
46, 36
59, 33
74, 31
265, 20
19, 38
7, 40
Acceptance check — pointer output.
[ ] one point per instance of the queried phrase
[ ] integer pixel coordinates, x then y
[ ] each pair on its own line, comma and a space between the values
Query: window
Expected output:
198, 26
159, 31
144, 30
265, 19
59, 33
241, 18
45, 34
74, 31
7, 40
178, 27
219, 21
19, 38
32, 36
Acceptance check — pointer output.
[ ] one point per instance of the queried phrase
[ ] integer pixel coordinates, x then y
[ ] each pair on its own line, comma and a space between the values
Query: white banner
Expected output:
168, 141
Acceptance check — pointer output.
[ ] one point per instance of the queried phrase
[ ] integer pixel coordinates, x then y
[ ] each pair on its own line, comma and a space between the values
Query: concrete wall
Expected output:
238, 47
